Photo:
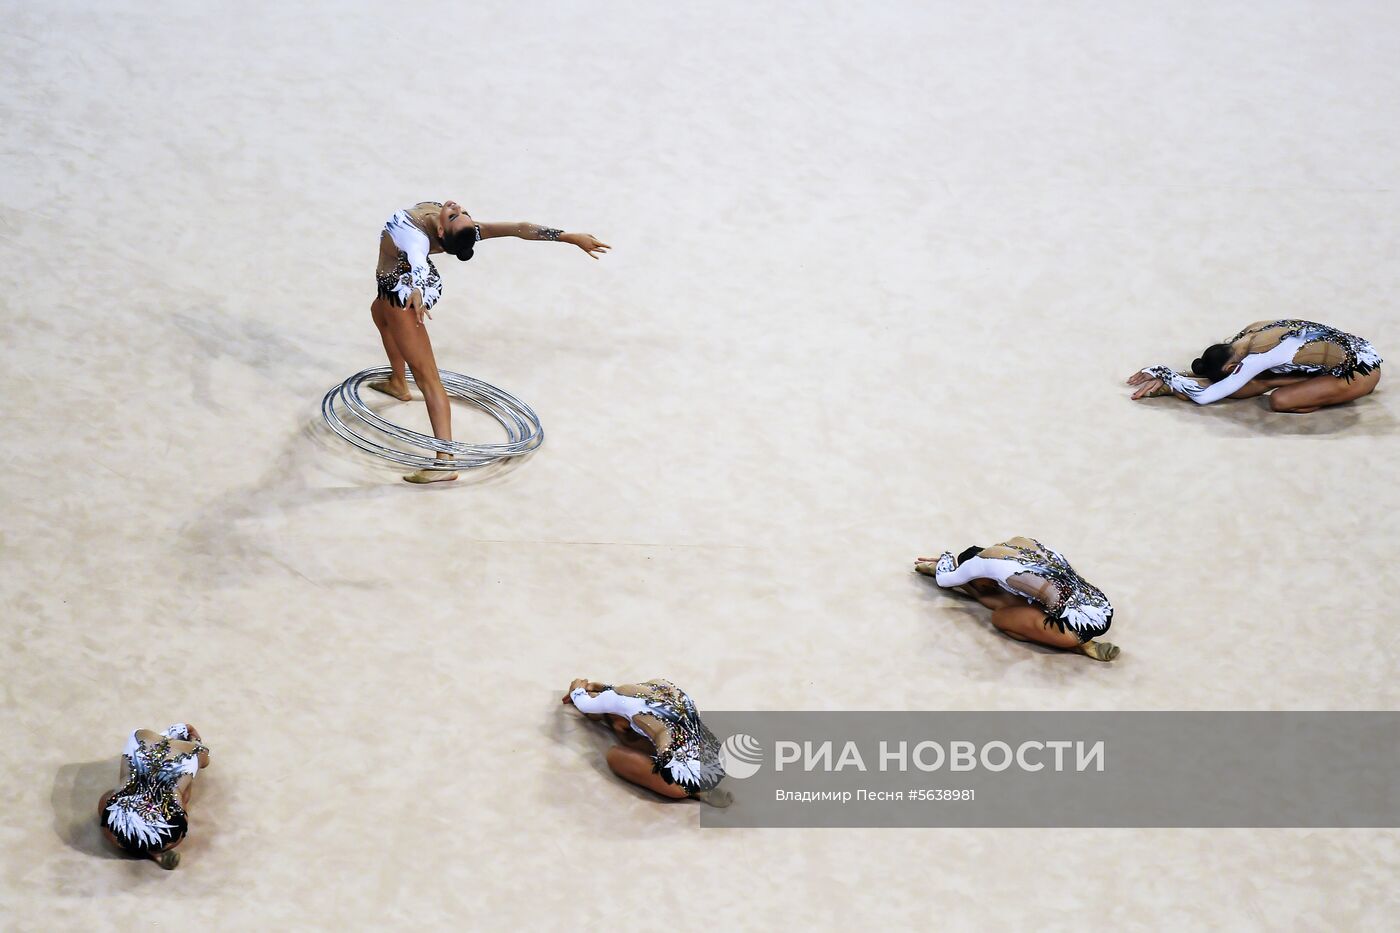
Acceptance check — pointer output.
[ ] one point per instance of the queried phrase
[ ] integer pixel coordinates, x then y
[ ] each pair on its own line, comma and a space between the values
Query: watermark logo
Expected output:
741, 756
1102, 768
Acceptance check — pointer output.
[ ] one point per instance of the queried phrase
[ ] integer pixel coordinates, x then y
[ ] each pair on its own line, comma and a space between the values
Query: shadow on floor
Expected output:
222, 544
216, 334
1253, 417
76, 790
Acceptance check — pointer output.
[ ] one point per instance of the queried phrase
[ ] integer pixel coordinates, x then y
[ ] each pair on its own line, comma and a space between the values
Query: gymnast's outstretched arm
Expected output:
527, 231
950, 574
595, 699
603, 702
985, 580
1188, 388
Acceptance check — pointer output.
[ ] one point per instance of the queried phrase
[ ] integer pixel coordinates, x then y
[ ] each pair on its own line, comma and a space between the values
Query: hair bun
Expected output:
1198, 366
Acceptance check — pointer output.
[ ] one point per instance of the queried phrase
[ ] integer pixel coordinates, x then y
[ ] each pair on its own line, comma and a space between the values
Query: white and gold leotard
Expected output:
405, 243
691, 754
1280, 348
1074, 603
404, 267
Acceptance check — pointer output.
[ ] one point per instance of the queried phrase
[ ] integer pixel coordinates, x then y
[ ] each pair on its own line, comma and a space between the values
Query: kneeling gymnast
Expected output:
1033, 592
664, 745
1304, 364
146, 815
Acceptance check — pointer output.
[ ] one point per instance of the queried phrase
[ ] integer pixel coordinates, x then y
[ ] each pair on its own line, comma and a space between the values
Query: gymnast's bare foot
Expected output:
423, 477
397, 388
169, 859
1099, 650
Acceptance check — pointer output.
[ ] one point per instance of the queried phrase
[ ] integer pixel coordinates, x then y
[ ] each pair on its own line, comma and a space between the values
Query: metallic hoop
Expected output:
522, 425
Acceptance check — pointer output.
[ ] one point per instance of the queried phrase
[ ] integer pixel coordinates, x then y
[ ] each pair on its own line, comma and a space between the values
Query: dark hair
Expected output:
970, 552
1211, 362
460, 244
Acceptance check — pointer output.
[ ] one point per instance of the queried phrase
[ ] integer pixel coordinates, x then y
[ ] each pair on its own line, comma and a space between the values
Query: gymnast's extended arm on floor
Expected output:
1157, 380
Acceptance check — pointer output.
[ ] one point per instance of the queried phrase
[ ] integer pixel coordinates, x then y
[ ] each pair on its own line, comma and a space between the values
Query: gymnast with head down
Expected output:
1033, 592
146, 815
662, 744
1302, 365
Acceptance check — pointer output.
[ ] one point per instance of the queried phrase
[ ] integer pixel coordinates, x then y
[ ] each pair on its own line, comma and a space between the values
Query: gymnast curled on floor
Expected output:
146, 816
1033, 592
1304, 364
409, 286
663, 745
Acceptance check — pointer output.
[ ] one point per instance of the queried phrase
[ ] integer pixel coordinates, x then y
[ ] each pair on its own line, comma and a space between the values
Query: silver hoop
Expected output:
521, 424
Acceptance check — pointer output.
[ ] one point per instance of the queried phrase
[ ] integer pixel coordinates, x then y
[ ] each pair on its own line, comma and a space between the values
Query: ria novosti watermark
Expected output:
929, 755
1059, 769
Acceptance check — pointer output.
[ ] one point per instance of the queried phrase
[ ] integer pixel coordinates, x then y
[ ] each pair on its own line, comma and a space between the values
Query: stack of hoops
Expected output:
367, 431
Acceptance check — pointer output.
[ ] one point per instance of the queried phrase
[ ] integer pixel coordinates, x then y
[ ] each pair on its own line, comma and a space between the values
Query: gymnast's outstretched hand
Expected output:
587, 242
1150, 385
932, 566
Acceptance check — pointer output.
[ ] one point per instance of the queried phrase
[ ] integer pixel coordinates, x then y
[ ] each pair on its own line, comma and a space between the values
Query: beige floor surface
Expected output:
879, 272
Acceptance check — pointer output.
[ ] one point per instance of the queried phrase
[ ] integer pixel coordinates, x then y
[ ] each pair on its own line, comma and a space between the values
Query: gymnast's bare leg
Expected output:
410, 337
397, 383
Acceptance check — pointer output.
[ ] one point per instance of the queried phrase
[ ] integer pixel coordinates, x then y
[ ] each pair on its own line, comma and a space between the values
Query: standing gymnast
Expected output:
1306, 365
664, 745
409, 286
1033, 592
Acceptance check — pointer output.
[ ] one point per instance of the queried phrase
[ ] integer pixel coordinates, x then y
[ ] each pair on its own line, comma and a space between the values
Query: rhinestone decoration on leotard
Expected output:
1361, 357
691, 758
1079, 604
140, 813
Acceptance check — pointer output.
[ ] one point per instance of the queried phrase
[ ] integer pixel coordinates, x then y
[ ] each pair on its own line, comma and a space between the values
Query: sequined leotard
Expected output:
405, 243
691, 754
146, 813
1280, 348
1326, 349
1077, 605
